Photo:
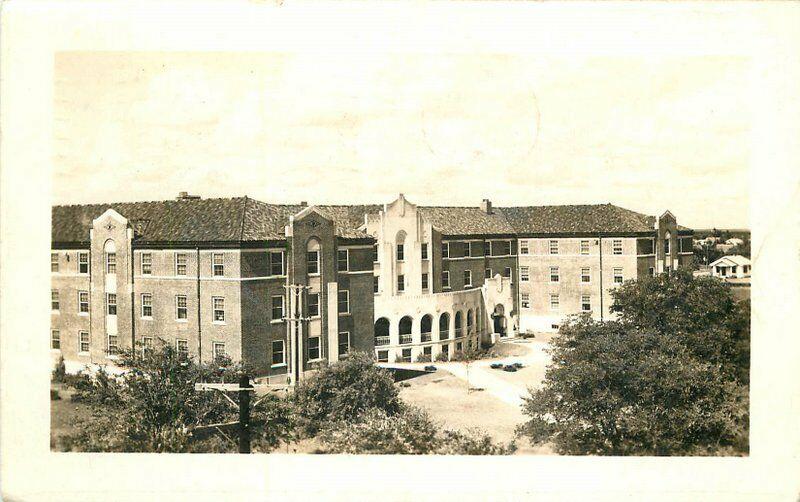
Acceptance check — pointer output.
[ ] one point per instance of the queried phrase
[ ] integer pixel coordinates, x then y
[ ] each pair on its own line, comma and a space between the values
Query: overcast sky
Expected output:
648, 134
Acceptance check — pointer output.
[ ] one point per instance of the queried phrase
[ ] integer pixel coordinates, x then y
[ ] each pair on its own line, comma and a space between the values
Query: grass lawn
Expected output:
446, 398
64, 416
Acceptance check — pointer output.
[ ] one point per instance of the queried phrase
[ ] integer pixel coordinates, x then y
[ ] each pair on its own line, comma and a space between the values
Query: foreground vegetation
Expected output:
351, 406
669, 377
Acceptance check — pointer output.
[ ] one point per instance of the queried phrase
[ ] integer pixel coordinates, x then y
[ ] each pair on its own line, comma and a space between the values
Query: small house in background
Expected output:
734, 241
735, 266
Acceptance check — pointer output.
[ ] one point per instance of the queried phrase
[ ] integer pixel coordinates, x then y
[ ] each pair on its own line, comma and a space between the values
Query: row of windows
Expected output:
553, 246
586, 302
112, 344
405, 354
313, 348
83, 263
586, 275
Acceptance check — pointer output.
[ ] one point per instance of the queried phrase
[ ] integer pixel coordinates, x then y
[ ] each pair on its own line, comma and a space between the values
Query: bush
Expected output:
59, 372
342, 391
54, 395
441, 357
423, 358
408, 432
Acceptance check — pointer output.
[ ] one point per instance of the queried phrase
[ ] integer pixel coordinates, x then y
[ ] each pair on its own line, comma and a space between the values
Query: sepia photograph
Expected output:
524, 261
399, 250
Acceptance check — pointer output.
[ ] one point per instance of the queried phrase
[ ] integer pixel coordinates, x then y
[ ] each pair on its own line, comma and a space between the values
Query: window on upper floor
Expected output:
83, 263
468, 278
553, 246
53, 262
524, 274
446, 279
277, 307
147, 263
525, 300
584, 247
376, 284
55, 339
586, 274
401, 252
218, 264
501, 248
180, 263
475, 249
424, 250
524, 247
111, 303
276, 263
343, 301
83, 302
445, 250
278, 352
218, 308
181, 308
147, 305
618, 276
111, 263
424, 281
313, 305
312, 263
616, 246
401, 283
554, 274
314, 349
375, 253
666, 243
586, 303
55, 304
342, 260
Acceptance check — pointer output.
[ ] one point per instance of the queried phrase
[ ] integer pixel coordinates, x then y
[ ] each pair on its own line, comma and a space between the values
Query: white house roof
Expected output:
731, 260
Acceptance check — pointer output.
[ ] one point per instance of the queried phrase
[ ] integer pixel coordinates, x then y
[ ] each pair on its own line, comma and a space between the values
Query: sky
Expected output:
645, 133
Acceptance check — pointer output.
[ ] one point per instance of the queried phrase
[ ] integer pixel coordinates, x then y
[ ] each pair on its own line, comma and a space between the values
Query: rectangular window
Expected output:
383, 356
507, 272
180, 263
554, 274
55, 339
584, 247
400, 252
312, 266
526, 300
344, 301
554, 302
342, 260
55, 304
618, 276
501, 248
666, 246
278, 352
314, 351
376, 283
427, 350
83, 302
524, 274
586, 275
83, 341
524, 247
424, 281
83, 263
445, 349
375, 253
147, 263
406, 355
586, 303
344, 343
53, 262
616, 246
467, 278
218, 307
181, 309
147, 305
147, 345
652, 271
277, 306
218, 349
445, 250
182, 347
313, 304
218, 264
111, 263
424, 250
446, 280
487, 273
113, 345
553, 247
111, 303
276, 263
401, 283
475, 249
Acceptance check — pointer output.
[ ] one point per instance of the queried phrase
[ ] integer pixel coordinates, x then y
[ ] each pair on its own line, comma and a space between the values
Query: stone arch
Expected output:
459, 323
382, 331
405, 326
444, 326
426, 326
499, 319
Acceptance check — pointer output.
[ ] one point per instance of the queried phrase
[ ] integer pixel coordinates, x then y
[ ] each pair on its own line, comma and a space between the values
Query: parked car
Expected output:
430, 368
496, 366
518, 365
510, 367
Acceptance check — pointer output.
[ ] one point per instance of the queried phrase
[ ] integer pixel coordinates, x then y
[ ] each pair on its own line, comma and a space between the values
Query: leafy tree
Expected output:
344, 390
668, 377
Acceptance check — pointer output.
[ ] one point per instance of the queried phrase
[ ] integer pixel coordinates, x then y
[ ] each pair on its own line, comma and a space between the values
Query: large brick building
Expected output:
280, 287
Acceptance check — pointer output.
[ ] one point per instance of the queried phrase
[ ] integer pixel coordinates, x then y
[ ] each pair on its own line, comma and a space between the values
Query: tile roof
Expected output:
242, 219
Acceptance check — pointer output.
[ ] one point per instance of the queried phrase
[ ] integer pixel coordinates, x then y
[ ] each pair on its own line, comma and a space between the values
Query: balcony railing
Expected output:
458, 332
405, 339
444, 335
426, 337
381, 340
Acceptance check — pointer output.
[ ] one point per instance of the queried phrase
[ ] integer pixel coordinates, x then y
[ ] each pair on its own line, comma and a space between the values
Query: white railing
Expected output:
444, 335
381, 340
426, 337
404, 339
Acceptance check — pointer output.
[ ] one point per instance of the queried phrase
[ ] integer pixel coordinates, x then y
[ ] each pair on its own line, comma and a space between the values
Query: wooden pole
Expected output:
244, 415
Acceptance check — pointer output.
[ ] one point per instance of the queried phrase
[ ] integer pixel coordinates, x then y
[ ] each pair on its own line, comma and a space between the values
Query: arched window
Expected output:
667, 237
405, 329
382, 331
400, 243
459, 323
312, 256
110, 250
444, 326
470, 322
425, 326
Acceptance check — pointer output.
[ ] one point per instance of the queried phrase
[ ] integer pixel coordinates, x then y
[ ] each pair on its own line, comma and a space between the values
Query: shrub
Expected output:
54, 395
472, 442
342, 391
59, 372
441, 357
423, 358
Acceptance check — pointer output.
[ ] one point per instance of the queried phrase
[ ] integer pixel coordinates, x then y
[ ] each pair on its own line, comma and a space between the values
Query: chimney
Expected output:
303, 204
186, 196
486, 206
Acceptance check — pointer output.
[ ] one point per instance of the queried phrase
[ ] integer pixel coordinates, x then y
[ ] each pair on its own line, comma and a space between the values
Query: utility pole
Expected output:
244, 414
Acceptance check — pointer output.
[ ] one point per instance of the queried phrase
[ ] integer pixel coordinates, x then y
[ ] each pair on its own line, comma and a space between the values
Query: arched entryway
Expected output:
405, 329
382, 332
499, 319
425, 327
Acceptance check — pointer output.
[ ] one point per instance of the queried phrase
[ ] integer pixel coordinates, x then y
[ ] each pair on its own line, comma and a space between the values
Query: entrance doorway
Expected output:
499, 319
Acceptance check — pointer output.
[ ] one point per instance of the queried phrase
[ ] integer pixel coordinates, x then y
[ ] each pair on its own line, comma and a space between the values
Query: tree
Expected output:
344, 390
668, 377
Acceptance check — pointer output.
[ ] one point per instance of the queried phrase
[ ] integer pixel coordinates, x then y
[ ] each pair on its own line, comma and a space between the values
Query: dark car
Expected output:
510, 367
496, 366
430, 368
518, 365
